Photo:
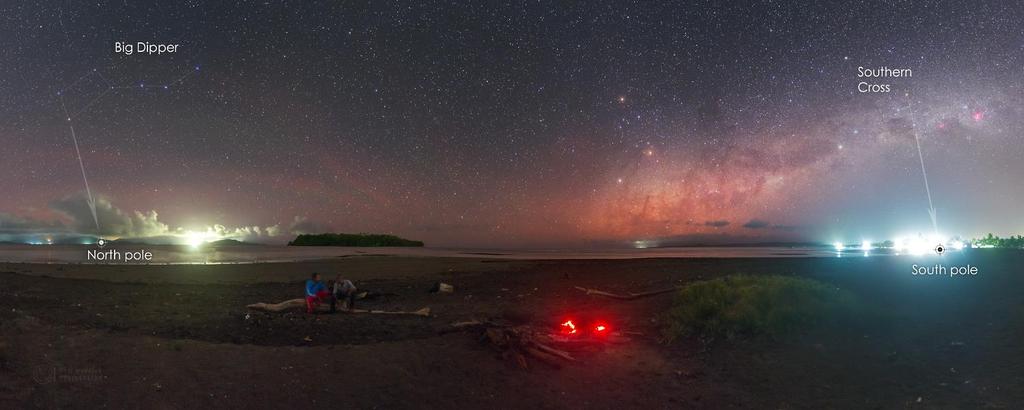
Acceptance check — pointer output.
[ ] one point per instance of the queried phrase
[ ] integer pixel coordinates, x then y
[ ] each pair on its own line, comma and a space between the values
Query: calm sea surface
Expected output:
163, 254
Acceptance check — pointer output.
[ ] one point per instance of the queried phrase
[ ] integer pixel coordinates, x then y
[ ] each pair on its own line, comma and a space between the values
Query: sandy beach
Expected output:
180, 336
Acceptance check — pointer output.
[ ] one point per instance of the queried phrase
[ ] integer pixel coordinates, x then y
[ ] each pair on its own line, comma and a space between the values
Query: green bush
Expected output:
738, 306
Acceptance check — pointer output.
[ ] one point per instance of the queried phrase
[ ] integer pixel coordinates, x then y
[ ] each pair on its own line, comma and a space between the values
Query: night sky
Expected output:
497, 124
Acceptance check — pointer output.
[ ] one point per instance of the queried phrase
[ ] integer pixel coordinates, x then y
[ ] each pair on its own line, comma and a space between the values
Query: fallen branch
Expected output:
425, 312
555, 352
301, 304
542, 355
630, 296
468, 323
516, 342
277, 307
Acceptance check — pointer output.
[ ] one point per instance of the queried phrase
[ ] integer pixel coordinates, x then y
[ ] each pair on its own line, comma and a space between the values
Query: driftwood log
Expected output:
517, 342
324, 307
629, 296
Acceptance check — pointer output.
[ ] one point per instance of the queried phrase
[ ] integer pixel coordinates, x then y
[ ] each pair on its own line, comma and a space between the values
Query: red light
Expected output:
601, 329
568, 327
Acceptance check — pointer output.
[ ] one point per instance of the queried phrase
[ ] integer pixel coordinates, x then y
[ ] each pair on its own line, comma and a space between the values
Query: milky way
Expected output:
524, 124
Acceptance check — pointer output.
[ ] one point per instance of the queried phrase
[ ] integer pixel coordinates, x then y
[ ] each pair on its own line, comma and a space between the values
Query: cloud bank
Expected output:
74, 220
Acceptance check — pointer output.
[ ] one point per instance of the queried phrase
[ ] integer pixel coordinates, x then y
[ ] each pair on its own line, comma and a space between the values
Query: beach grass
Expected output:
742, 306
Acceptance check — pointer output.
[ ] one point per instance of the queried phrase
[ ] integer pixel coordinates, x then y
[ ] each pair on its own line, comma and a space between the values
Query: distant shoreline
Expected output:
260, 254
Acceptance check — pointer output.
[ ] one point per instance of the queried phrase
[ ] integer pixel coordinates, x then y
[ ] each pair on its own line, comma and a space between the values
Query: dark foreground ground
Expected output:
181, 337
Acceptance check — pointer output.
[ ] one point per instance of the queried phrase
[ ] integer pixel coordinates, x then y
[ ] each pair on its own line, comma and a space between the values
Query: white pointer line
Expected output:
74, 138
81, 164
924, 173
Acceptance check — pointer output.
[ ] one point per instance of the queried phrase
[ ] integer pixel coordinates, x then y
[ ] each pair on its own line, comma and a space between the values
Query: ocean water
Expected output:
163, 254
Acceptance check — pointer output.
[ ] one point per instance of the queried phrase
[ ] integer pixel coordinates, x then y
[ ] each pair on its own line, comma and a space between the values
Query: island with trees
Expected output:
992, 241
349, 239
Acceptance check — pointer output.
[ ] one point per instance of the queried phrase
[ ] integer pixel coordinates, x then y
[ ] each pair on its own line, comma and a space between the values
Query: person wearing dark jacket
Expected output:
345, 290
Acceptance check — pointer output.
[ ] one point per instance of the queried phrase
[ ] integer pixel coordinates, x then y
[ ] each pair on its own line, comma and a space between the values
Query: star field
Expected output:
513, 124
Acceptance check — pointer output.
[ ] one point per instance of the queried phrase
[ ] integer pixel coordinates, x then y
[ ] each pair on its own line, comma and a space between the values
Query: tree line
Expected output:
351, 239
992, 241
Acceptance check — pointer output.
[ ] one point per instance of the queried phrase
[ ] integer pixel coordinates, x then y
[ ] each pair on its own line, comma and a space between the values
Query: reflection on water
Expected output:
164, 254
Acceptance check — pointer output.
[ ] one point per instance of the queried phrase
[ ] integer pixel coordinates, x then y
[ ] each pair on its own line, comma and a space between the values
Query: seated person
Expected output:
316, 292
343, 289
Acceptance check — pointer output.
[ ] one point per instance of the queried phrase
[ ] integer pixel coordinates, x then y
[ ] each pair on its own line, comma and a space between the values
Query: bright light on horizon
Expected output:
644, 244
197, 239
918, 244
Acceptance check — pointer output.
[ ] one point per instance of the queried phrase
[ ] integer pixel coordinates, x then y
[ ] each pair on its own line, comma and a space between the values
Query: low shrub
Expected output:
742, 305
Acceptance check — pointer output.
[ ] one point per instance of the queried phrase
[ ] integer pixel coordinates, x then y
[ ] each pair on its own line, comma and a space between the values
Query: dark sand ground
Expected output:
179, 337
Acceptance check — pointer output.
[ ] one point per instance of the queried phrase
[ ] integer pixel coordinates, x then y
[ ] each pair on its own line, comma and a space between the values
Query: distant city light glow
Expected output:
196, 239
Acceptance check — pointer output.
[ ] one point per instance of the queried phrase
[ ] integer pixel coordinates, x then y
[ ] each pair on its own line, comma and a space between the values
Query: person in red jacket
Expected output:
316, 293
